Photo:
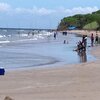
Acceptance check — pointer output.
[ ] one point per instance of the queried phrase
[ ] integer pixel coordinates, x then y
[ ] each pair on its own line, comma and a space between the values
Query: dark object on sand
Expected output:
2, 71
8, 98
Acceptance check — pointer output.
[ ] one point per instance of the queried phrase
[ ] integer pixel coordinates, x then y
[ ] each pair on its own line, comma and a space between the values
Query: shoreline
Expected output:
59, 52
72, 82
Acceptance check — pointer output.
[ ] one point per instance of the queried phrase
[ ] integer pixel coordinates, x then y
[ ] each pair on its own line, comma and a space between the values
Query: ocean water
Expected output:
33, 49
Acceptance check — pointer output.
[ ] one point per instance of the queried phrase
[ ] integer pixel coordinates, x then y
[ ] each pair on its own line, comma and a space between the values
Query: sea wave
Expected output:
4, 42
2, 36
23, 36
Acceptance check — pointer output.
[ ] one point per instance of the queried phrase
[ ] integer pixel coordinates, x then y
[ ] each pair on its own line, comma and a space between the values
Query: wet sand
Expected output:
69, 82
85, 32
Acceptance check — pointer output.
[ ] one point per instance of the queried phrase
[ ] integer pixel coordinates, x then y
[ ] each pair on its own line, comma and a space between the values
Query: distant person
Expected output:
64, 33
96, 39
64, 41
92, 39
33, 33
55, 34
84, 41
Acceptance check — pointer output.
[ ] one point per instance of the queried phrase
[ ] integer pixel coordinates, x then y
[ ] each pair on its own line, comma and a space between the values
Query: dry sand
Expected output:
70, 82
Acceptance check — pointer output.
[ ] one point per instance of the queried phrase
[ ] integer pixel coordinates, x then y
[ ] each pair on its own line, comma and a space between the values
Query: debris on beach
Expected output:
8, 98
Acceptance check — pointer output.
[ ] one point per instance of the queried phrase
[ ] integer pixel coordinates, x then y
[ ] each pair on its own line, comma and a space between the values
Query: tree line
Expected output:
81, 21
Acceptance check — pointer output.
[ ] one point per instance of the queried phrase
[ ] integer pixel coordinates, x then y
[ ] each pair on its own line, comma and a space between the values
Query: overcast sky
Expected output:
42, 13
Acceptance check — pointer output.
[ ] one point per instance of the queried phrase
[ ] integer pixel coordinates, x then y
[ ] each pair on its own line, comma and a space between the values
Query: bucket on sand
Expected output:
2, 71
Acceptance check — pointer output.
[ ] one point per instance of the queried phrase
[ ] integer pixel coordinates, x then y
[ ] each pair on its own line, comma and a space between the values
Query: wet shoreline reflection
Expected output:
82, 56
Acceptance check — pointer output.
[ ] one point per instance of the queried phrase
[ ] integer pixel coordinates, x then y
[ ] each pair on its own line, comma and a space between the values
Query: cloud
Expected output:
35, 10
4, 7
37, 17
61, 10
45, 11
81, 10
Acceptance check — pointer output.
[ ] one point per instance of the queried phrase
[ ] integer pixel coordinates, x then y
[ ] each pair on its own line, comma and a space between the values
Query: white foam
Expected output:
4, 41
1, 36
26, 39
24, 35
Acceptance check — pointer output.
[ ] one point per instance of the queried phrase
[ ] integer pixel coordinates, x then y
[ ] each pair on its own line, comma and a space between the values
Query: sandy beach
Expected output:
69, 82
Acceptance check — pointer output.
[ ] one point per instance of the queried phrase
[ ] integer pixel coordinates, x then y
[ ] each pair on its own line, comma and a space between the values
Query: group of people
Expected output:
94, 39
81, 46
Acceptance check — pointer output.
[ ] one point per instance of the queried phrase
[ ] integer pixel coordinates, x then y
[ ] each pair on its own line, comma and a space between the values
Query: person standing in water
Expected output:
55, 34
64, 42
92, 39
96, 39
84, 41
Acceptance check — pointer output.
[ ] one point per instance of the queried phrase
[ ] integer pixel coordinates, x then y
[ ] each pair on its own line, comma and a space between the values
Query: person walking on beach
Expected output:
92, 39
96, 39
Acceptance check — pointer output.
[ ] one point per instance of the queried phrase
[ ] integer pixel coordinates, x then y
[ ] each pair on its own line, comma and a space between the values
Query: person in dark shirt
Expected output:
96, 39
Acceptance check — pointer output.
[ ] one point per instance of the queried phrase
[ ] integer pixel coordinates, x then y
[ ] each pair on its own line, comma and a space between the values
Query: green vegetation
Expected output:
92, 25
86, 21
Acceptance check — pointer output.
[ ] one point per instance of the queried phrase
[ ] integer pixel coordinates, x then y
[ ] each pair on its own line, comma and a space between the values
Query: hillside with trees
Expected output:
81, 21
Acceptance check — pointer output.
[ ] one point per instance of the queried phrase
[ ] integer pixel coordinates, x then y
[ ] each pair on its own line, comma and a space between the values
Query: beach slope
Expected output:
70, 82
